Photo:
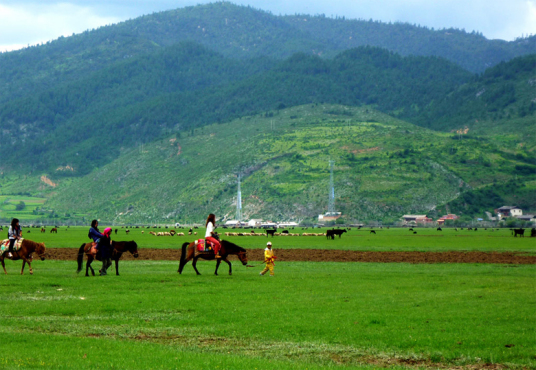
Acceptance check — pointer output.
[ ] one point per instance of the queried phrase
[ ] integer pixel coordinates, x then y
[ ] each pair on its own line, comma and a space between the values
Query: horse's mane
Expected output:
231, 245
38, 247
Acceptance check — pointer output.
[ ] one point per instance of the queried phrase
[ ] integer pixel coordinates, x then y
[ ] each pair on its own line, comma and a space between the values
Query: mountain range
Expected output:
458, 108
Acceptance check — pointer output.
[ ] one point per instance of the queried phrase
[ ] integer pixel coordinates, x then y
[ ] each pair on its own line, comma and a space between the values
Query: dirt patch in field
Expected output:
323, 255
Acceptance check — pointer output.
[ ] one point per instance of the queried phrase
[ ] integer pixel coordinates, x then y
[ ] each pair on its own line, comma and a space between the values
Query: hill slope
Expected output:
85, 124
383, 168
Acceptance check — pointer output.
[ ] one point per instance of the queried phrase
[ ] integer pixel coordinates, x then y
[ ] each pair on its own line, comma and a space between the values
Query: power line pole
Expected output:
331, 200
239, 202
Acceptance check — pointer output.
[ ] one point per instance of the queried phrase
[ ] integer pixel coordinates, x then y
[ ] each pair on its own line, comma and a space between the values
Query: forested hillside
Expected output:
85, 124
500, 101
384, 168
239, 32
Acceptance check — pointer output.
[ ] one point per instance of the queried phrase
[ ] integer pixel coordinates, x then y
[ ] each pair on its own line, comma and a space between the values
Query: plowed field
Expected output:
321, 255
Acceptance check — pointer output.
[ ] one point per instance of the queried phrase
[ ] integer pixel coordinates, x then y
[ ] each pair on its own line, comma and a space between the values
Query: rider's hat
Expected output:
269, 243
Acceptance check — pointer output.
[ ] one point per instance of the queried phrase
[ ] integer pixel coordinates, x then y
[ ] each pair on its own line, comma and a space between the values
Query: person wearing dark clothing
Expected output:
105, 249
94, 232
14, 234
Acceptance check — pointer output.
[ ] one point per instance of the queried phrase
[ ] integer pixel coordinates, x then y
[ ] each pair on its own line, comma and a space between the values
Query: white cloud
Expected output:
31, 24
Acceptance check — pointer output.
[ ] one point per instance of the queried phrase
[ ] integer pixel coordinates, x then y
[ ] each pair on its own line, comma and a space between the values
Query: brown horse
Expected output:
118, 249
189, 252
25, 252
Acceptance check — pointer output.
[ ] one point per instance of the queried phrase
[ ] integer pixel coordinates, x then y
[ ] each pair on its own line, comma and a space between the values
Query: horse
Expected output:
25, 252
189, 252
118, 249
53, 230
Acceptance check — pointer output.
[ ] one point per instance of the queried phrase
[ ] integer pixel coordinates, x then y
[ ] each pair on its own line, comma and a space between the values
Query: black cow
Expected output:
270, 232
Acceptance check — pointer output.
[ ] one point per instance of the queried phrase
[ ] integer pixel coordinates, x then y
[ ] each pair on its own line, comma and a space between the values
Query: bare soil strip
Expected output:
323, 255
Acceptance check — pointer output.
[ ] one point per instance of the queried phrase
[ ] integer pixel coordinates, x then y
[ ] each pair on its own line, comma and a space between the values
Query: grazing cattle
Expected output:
439, 229
142, 231
520, 232
54, 230
127, 231
533, 232
115, 231
373, 232
284, 232
414, 232
330, 234
410, 229
270, 232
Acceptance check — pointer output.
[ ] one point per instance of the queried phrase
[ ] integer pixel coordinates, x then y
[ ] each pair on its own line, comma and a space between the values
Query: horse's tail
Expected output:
183, 256
80, 258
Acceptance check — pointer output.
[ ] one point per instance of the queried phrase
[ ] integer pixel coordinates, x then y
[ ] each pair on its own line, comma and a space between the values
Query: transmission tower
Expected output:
239, 202
331, 201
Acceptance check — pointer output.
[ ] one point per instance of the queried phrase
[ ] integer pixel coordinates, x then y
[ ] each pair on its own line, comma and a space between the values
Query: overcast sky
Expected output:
29, 22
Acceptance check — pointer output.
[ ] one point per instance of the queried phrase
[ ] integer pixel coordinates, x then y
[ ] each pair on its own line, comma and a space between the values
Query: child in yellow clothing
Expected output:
269, 259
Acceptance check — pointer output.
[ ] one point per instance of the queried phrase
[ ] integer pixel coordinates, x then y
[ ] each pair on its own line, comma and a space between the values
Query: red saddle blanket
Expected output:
204, 246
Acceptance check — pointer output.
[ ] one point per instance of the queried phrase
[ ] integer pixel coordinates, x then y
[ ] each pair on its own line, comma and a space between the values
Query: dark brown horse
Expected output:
189, 252
25, 252
118, 249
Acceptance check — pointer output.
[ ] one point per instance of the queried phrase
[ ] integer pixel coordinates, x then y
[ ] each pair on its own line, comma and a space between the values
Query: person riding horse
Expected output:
210, 234
14, 234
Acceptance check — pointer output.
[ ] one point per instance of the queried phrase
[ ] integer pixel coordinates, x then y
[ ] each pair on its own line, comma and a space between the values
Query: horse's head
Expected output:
133, 248
240, 252
40, 250
243, 256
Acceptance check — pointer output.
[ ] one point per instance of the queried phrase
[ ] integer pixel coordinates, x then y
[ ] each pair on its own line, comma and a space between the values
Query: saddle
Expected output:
203, 246
4, 245
93, 249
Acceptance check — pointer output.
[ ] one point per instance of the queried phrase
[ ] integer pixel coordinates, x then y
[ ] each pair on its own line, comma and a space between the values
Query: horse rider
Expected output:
104, 246
210, 234
94, 232
14, 234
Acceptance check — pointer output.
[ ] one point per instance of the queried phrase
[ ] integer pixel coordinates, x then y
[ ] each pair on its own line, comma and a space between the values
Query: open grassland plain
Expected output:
385, 240
309, 316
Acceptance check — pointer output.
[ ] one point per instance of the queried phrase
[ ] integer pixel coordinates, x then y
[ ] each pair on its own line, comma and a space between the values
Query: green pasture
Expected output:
8, 207
393, 239
309, 316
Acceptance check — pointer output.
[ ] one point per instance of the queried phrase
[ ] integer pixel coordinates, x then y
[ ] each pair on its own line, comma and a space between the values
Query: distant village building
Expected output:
254, 222
232, 223
416, 219
509, 211
450, 216
268, 224
527, 218
288, 224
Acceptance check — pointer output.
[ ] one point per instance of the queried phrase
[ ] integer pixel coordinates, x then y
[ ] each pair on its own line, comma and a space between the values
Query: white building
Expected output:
509, 211
288, 224
254, 222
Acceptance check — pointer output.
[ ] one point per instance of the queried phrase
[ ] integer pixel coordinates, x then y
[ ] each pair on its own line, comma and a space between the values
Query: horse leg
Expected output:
217, 265
3, 264
230, 268
194, 263
117, 266
29, 262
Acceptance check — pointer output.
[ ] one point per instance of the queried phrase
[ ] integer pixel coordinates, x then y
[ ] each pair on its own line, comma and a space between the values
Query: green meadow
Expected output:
392, 239
309, 316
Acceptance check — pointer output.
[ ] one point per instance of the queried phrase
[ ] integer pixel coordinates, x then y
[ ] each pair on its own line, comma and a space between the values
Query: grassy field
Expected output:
393, 239
310, 315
